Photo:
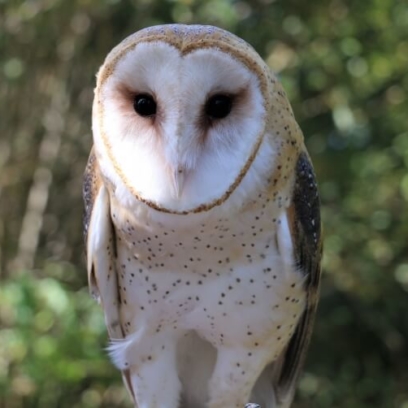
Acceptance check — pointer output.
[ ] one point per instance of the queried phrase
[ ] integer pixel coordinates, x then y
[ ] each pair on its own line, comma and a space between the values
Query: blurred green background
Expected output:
344, 64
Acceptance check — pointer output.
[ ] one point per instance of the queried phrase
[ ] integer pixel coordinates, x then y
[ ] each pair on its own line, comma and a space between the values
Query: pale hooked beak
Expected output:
178, 178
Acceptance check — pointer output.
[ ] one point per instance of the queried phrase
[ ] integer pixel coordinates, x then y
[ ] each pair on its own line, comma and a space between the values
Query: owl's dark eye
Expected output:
218, 106
144, 105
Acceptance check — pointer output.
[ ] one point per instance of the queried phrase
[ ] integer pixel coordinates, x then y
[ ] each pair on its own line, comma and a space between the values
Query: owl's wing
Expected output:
100, 240
304, 220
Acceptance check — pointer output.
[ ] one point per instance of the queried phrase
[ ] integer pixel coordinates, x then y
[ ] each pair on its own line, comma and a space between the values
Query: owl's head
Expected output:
180, 113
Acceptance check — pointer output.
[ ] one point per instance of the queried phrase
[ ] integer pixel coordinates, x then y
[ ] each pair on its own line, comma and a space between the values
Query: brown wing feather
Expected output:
304, 217
100, 243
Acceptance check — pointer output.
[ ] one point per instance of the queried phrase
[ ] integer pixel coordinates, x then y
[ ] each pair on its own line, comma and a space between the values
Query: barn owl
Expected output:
202, 222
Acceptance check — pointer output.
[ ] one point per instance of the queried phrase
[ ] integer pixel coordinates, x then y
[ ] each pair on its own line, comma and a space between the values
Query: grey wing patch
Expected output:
91, 182
306, 232
307, 216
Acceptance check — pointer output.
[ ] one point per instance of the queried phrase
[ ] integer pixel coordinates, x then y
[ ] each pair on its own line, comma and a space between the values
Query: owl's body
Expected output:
202, 222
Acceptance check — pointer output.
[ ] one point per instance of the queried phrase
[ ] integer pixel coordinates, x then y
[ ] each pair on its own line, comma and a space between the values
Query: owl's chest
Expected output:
219, 273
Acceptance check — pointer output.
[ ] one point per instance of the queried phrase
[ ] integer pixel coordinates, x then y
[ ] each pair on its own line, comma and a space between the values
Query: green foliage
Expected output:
344, 66
51, 347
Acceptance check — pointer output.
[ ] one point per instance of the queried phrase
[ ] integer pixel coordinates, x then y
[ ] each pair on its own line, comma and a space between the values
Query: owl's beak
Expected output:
178, 178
